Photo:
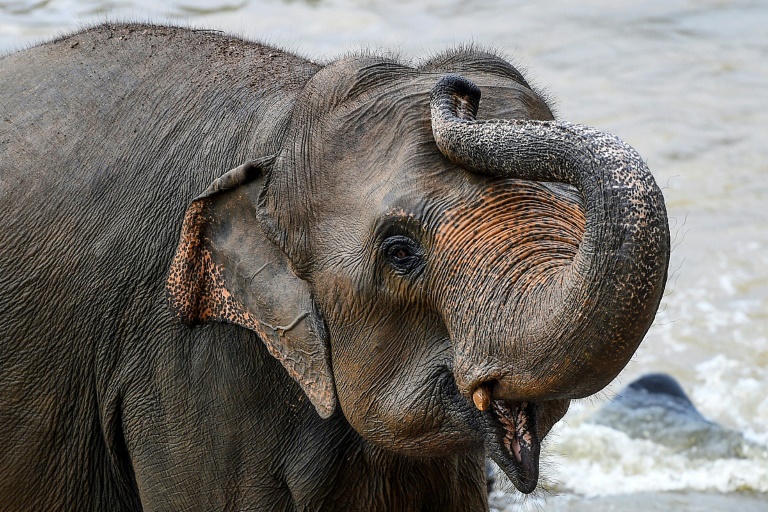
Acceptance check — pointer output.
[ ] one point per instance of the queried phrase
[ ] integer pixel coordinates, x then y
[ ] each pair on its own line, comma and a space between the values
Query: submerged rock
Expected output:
655, 407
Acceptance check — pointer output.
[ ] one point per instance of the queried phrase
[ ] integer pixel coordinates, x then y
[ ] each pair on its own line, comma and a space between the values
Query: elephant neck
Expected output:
361, 470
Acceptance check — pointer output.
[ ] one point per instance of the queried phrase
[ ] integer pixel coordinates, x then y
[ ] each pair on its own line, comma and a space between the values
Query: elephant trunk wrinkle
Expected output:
599, 311
500, 275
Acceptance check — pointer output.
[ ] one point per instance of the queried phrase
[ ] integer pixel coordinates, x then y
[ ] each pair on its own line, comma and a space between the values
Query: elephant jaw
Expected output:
512, 440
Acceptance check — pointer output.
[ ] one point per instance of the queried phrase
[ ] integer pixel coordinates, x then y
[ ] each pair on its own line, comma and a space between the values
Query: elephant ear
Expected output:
226, 269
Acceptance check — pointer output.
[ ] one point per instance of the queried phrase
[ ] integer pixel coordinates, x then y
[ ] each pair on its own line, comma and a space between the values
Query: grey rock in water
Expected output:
655, 407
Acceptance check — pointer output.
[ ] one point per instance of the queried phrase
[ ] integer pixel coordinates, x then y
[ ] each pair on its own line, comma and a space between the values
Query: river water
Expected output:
685, 83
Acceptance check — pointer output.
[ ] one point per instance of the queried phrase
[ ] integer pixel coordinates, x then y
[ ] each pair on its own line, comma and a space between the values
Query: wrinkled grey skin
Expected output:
655, 407
235, 279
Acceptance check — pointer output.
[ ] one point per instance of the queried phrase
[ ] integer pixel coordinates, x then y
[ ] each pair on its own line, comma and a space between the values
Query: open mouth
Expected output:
512, 440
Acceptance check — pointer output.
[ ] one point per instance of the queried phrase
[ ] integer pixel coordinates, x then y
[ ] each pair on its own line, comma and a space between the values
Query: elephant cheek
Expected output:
401, 396
380, 411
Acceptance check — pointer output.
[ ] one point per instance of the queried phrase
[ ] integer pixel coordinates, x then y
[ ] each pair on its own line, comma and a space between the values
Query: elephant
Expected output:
234, 278
654, 407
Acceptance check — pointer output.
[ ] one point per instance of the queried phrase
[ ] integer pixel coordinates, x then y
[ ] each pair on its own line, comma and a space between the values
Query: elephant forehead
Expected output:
509, 226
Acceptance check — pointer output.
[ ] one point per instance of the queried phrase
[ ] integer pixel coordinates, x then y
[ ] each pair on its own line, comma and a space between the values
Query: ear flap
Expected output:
227, 270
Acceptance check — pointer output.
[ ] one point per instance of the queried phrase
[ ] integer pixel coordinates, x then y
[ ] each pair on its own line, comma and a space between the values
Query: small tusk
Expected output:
482, 398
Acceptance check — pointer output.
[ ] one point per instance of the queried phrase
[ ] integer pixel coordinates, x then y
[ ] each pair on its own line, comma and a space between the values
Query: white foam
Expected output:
733, 393
593, 460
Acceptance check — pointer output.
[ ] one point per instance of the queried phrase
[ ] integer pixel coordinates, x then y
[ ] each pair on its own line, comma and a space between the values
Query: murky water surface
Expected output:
684, 82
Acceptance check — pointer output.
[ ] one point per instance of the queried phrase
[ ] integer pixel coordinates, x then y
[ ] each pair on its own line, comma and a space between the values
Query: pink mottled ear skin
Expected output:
188, 288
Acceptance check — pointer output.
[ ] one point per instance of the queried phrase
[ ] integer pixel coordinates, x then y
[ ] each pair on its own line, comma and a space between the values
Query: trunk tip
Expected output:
456, 96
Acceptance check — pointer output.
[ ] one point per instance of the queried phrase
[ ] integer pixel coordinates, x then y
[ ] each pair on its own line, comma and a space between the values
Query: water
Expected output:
684, 82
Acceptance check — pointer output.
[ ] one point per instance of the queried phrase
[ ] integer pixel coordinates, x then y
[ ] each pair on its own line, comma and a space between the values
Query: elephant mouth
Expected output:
513, 442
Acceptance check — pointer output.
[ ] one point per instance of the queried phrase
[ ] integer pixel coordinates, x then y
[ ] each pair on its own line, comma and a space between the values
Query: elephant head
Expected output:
447, 282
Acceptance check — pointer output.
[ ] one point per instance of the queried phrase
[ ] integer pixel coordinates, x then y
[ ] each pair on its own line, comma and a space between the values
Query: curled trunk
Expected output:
589, 321
524, 346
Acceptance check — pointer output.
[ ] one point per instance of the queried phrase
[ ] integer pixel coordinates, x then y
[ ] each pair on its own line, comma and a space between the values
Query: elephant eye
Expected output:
403, 253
